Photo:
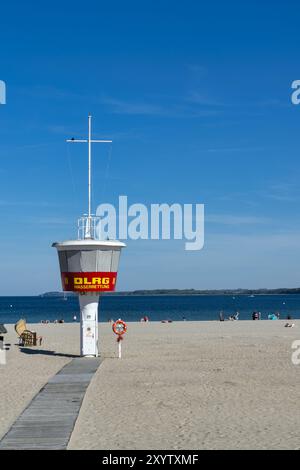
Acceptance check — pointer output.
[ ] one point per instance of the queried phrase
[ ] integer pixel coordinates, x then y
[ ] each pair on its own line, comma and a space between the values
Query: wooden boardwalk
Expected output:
48, 421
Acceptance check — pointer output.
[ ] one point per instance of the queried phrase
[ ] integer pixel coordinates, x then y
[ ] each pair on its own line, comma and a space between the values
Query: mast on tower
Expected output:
85, 223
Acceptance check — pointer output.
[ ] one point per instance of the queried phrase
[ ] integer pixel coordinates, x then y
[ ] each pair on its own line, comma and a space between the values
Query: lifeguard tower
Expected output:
88, 266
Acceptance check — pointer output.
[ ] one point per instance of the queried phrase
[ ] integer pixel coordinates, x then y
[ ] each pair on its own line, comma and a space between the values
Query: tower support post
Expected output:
89, 324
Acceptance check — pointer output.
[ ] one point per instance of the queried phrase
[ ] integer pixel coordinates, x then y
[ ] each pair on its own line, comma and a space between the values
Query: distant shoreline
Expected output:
187, 292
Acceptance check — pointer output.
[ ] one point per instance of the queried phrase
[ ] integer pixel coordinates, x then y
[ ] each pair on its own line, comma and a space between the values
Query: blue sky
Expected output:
196, 97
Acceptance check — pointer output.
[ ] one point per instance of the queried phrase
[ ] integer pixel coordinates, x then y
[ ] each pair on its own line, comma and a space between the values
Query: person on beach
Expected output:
221, 316
234, 317
272, 316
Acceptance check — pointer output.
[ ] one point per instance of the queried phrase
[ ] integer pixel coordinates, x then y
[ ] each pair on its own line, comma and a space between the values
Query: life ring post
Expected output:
119, 327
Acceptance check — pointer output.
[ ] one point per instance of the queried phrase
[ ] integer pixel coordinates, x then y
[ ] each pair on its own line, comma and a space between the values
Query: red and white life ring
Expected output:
119, 327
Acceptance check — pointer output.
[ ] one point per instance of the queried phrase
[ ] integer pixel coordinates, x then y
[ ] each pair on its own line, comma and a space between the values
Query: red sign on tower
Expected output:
89, 281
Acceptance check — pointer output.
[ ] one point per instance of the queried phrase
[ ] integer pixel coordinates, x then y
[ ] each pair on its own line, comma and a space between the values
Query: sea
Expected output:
156, 308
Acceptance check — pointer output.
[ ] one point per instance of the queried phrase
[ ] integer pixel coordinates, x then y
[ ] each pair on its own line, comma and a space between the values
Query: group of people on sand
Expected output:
255, 316
144, 319
46, 322
233, 317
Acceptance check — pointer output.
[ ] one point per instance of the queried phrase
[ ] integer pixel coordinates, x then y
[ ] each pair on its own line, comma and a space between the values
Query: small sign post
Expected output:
119, 328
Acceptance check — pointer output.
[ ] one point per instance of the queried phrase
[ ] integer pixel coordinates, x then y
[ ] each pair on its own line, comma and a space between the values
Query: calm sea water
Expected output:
157, 308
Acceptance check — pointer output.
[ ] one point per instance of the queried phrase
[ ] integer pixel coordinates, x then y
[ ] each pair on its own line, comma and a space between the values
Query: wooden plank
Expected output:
48, 421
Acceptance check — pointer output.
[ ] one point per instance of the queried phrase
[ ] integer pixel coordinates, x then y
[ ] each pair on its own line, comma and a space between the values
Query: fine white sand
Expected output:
185, 385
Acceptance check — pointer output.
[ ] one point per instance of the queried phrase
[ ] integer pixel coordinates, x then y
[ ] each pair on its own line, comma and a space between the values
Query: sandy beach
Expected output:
184, 385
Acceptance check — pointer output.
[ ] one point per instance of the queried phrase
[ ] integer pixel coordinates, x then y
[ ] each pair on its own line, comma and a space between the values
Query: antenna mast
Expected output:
89, 141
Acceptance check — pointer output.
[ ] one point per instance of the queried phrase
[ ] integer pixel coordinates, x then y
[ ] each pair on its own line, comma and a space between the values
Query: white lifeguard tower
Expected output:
88, 265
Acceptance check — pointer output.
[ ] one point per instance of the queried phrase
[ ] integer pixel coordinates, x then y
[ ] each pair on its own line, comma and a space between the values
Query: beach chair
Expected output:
26, 337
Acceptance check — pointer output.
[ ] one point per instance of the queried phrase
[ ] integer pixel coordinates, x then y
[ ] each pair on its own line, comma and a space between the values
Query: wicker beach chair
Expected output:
26, 337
